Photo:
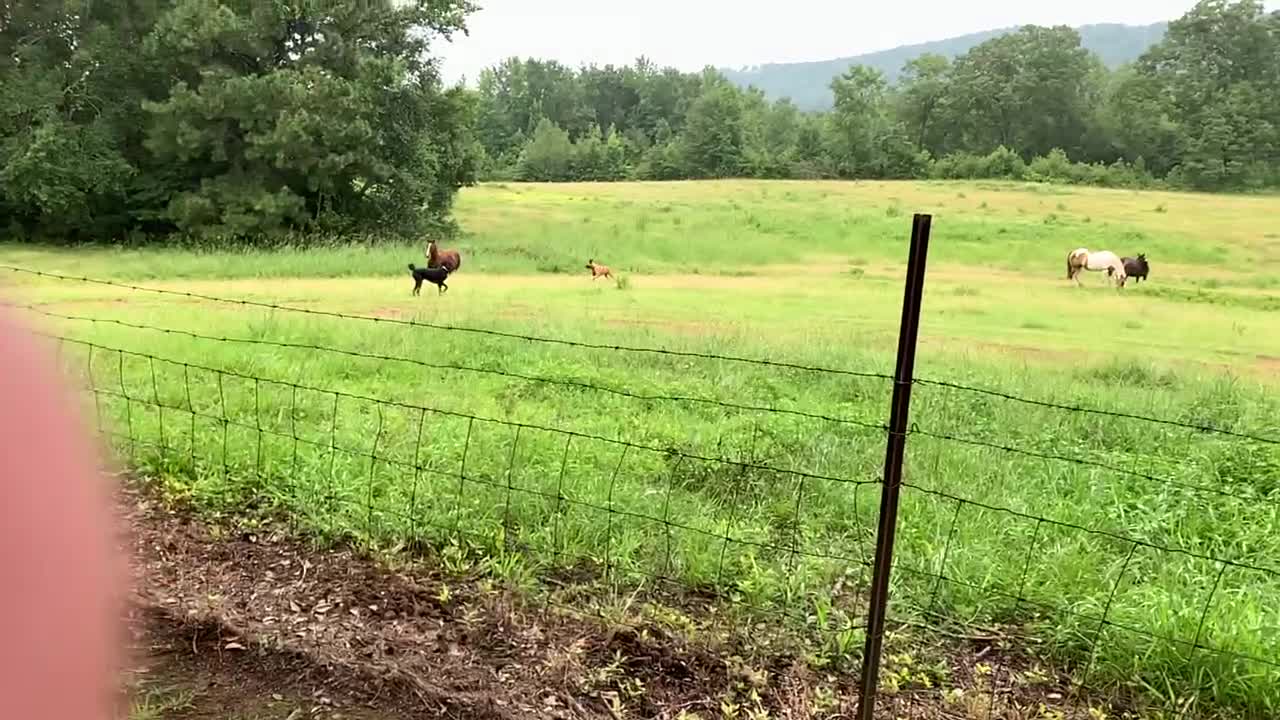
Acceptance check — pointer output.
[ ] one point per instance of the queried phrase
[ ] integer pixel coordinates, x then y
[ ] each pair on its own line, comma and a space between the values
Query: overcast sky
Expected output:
690, 34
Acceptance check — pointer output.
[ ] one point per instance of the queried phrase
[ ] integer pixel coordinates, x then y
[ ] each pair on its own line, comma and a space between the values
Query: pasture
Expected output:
757, 481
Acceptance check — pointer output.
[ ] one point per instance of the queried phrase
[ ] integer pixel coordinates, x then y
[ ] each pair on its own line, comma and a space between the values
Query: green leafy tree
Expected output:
865, 140
616, 164
1029, 90
283, 116
1138, 118
611, 95
1215, 77
588, 157
516, 94
549, 156
713, 139
71, 84
228, 117
922, 91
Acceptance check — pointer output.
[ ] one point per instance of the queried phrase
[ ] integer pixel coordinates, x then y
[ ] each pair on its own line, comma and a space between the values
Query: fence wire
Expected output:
563, 382
368, 505
777, 364
454, 328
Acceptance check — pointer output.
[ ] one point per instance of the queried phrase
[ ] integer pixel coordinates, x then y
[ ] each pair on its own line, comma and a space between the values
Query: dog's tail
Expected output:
412, 268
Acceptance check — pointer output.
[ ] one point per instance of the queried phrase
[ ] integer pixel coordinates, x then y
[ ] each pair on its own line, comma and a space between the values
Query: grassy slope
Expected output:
823, 289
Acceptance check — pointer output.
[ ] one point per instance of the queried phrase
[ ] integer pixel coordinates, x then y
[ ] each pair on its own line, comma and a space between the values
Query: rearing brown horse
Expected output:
449, 259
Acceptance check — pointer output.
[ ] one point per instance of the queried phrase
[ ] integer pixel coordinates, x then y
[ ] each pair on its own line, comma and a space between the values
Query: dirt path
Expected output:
248, 625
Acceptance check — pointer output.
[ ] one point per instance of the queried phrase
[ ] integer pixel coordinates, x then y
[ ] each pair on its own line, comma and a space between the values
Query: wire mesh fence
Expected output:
1053, 539
387, 471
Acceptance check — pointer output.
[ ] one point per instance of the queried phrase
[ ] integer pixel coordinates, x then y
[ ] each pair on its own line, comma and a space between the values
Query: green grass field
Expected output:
806, 273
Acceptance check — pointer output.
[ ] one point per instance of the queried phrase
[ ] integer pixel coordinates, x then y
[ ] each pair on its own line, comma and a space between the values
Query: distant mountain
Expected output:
806, 83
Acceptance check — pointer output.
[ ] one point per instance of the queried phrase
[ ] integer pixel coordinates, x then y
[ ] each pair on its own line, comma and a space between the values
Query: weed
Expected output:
1131, 374
157, 704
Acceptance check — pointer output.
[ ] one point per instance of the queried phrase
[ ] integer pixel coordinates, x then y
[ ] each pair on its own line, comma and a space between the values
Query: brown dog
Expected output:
598, 270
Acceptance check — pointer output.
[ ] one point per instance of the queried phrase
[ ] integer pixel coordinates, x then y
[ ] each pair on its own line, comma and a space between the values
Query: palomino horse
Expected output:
1081, 259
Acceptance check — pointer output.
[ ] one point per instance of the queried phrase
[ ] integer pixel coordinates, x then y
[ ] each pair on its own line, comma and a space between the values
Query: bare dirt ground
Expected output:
242, 624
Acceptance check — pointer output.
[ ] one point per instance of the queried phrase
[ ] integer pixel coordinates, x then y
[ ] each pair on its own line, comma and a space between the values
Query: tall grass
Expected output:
726, 226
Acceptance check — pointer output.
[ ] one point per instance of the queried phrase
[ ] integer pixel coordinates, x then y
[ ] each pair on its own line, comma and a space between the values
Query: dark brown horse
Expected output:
1136, 267
447, 259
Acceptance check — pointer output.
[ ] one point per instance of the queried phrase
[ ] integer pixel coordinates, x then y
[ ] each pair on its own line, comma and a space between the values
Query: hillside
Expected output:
806, 83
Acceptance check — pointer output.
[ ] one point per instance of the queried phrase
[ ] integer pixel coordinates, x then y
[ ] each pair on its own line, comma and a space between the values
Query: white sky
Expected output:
690, 34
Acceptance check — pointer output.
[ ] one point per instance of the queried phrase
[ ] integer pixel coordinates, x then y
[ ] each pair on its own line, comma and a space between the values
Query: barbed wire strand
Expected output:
456, 328
660, 351
950, 385
1273, 572
1054, 609
975, 442
579, 384
454, 413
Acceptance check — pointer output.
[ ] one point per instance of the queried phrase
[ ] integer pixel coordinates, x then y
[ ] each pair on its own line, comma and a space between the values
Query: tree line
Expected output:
136, 119
131, 119
1199, 110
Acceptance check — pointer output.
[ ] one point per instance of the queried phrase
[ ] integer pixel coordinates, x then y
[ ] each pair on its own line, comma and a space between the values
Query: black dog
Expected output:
1136, 267
436, 276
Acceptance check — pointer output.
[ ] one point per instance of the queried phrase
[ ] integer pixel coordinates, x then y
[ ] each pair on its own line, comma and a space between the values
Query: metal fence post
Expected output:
894, 450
